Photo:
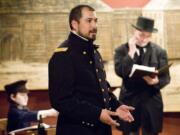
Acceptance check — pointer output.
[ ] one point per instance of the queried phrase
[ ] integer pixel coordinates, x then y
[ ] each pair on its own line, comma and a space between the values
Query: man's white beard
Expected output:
143, 44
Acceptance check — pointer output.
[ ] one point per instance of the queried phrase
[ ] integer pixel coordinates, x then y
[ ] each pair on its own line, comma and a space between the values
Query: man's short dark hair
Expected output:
76, 13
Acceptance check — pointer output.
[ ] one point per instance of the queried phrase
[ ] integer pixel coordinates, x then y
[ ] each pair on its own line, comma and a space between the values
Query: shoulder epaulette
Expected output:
62, 49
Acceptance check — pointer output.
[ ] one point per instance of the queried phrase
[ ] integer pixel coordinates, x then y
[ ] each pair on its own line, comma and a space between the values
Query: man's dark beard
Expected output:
94, 30
90, 39
94, 36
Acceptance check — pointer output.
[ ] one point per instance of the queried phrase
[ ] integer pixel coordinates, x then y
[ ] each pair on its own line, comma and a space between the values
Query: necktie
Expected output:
141, 54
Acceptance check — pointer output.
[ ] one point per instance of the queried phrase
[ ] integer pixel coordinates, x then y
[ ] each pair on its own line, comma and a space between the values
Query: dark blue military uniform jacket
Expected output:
78, 88
136, 92
19, 117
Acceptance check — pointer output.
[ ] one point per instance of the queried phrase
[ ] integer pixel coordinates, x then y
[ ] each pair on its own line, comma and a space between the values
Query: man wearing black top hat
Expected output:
19, 116
143, 93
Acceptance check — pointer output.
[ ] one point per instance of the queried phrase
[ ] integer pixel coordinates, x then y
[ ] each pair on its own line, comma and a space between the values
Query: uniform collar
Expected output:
74, 32
80, 43
18, 106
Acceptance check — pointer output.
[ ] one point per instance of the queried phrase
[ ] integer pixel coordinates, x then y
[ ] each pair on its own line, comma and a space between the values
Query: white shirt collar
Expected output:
138, 53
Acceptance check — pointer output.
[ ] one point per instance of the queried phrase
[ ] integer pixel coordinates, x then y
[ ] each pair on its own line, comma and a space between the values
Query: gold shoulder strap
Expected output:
63, 49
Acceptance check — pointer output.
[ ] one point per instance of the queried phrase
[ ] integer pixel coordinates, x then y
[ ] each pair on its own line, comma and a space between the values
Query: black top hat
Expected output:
145, 24
18, 86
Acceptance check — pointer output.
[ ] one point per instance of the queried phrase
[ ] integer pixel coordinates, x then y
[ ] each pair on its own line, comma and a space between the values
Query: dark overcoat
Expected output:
19, 117
146, 99
78, 88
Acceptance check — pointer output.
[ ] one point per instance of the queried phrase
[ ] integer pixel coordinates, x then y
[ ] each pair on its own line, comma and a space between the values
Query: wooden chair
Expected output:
28, 132
32, 130
3, 124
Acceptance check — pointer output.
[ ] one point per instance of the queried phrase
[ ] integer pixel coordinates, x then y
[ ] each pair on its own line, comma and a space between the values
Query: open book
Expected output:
140, 70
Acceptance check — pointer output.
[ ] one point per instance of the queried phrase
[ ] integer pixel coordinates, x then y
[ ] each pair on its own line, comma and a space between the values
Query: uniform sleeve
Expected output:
123, 62
114, 103
18, 118
25, 116
63, 95
164, 78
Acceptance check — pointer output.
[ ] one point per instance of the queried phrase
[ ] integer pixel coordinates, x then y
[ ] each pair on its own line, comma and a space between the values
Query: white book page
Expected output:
141, 67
